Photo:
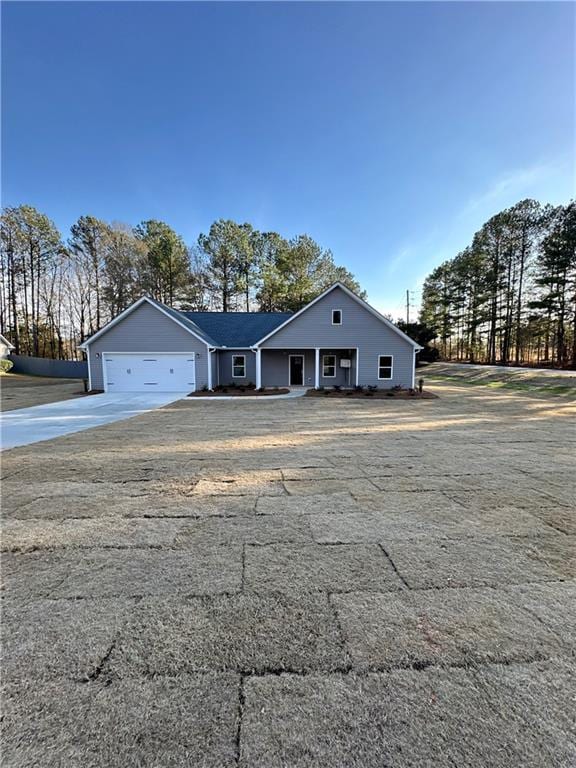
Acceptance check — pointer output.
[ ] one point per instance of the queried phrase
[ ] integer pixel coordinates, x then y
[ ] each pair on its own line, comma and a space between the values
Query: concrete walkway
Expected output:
44, 422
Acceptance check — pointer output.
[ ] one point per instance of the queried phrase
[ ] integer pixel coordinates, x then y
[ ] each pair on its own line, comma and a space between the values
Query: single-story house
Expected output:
336, 339
5, 347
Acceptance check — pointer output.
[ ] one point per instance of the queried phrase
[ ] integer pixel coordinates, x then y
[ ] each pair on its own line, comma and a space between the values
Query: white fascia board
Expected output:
352, 296
129, 310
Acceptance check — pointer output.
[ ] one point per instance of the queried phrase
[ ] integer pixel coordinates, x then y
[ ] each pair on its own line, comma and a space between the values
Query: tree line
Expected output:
55, 292
510, 296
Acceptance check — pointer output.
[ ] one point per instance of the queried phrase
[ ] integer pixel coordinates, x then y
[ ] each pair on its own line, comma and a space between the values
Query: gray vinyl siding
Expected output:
225, 367
343, 378
360, 328
147, 329
275, 366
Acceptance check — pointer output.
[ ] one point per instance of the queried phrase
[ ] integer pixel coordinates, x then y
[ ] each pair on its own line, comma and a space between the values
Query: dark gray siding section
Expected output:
42, 366
225, 366
344, 376
360, 328
275, 367
147, 329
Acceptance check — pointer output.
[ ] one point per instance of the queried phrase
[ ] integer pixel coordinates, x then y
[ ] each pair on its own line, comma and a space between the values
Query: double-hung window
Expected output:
385, 365
329, 366
336, 317
239, 366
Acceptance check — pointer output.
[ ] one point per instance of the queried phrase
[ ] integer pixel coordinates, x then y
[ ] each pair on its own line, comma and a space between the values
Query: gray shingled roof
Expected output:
236, 329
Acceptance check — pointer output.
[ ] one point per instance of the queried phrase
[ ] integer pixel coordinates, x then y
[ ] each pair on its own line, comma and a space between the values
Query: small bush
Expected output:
204, 388
372, 388
6, 365
397, 388
369, 394
337, 388
260, 389
390, 393
358, 388
250, 385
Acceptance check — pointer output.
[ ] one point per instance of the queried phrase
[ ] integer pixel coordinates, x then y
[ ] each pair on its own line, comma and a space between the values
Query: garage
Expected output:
147, 372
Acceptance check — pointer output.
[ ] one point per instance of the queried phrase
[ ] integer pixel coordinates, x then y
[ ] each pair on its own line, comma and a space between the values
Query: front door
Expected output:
296, 370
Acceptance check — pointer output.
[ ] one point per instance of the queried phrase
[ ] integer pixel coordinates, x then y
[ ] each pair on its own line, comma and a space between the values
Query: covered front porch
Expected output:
306, 367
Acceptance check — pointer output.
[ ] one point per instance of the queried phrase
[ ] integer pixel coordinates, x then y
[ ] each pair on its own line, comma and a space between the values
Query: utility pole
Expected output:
407, 307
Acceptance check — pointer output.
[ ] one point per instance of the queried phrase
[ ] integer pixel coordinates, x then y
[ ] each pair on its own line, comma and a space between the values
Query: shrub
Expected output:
390, 393
250, 385
204, 388
372, 388
6, 365
358, 388
397, 388
337, 388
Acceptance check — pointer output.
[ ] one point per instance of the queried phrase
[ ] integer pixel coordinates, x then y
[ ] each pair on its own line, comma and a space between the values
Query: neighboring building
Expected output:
336, 339
5, 347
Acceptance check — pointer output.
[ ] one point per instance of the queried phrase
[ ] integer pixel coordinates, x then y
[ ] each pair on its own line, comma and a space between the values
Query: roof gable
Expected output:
4, 340
173, 314
356, 299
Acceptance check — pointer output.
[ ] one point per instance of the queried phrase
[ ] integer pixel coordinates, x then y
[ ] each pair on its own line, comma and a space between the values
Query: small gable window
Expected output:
239, 366
385, 365
336, 317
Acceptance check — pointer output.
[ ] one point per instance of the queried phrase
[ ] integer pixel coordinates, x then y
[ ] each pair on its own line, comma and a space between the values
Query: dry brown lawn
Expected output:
19, 391
297, 584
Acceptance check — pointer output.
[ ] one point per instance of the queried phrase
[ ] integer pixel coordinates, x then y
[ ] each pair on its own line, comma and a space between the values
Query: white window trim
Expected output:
341, 316
391, 366
235, 357
324, 375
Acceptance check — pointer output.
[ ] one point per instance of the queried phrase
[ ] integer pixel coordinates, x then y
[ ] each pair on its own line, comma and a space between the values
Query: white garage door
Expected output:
149, 372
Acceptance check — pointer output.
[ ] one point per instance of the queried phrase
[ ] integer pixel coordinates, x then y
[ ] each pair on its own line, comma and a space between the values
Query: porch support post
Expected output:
316, 368
258, 368
210, 353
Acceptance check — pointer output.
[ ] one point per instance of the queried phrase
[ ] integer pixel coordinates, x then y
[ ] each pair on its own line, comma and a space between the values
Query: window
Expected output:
239, 366
336, 317
329, 366
385, 363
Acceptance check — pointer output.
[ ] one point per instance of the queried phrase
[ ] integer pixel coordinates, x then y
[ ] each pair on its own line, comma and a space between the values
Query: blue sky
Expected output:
388, 131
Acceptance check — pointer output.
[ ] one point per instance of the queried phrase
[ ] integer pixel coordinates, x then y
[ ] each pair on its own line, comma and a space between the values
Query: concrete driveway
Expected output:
44, 422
